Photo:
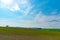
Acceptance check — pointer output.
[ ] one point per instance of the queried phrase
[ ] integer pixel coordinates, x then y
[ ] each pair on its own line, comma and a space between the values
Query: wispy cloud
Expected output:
33, 16
47, 21
14, 8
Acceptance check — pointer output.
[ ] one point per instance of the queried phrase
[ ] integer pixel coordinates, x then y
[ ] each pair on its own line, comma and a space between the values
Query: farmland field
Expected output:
28, 34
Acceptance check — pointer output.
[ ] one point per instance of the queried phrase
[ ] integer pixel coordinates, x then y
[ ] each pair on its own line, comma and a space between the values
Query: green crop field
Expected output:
7, 33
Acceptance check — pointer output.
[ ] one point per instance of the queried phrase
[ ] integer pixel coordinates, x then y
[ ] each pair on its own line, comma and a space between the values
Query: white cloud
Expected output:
39, 21
15, 8
12, 5
47, 21
40, 17
23, 1
27, 11
7, 2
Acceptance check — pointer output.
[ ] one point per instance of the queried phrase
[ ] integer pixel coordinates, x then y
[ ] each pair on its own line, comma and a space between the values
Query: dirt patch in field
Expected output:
27, 37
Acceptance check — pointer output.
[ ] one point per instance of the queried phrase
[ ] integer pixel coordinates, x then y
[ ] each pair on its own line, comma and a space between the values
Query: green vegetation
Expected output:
8, 33
27, 31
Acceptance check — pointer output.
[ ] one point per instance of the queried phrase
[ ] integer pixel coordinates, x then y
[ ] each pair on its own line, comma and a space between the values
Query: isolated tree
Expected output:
7, 26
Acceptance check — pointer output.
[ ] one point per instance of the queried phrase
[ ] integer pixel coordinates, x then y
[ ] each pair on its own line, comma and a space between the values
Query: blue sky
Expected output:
30, 13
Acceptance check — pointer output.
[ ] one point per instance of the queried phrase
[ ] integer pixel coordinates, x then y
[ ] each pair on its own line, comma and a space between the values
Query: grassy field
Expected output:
28, 34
